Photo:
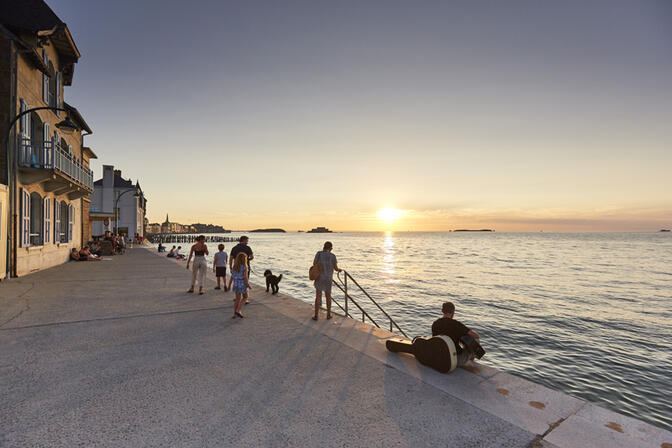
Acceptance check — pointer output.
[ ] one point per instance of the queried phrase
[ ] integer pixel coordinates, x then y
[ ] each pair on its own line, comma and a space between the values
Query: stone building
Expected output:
45, 170
121, 200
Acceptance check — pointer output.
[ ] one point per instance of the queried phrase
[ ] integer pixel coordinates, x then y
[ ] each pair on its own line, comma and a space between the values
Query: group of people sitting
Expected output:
118, 241
90, 252
174, 252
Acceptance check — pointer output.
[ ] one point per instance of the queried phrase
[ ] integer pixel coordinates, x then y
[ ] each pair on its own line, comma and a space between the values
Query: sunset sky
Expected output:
517, 115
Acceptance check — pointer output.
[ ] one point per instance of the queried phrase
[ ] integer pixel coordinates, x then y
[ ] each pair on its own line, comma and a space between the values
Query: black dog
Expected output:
272, 281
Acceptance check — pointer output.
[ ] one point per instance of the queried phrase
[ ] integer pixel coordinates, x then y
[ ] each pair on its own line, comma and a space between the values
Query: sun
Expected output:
389, 214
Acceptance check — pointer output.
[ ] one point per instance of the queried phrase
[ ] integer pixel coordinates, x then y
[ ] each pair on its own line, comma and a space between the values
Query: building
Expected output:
171, 227
119, 205
153, 228
44, 172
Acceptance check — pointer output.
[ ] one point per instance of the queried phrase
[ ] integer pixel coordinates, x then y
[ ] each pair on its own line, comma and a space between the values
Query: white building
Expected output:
113, 190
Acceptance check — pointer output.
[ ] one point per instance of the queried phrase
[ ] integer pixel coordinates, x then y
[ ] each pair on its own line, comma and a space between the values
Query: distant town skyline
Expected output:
514, 116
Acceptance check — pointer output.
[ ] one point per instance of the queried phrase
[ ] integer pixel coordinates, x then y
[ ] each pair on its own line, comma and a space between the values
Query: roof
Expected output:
34, 24
89, 152
77, 117
119, 182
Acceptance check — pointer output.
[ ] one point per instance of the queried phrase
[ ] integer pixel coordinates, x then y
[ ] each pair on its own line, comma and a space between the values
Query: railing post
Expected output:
346, 294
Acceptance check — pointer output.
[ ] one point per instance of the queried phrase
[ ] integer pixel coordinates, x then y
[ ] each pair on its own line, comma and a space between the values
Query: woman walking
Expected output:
328, 263
240, 283
199, 251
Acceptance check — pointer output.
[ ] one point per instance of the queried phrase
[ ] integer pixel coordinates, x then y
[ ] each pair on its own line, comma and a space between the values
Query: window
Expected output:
36, 222
47, 220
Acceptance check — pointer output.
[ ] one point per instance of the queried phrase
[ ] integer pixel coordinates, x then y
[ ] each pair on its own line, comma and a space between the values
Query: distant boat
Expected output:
267, 231
664, 230
319, 230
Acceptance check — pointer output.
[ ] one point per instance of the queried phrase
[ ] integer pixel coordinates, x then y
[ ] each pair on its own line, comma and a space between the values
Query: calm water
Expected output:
588, 314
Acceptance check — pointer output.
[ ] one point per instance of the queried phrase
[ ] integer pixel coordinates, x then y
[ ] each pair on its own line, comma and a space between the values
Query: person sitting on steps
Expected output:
454, 329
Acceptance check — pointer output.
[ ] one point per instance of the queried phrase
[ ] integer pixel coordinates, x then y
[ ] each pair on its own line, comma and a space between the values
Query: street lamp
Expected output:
116, 208
66, 125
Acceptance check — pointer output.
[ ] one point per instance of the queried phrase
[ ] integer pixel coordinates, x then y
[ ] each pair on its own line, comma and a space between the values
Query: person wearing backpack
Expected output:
327, 265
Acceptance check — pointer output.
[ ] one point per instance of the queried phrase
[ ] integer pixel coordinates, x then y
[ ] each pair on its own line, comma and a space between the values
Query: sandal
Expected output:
200, 292
314, 317
329, 316
191, 290
239, 315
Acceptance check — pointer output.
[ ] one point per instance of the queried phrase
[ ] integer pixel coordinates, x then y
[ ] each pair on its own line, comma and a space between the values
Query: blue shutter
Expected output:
58, 92
71, 220
45, 80
24, 239
47, 220
57, 221
46, 145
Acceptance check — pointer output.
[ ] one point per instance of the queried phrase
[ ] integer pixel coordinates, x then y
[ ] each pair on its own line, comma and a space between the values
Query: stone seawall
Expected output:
116, 353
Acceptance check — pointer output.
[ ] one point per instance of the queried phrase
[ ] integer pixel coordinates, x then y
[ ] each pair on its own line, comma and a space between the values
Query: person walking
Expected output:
199, 251
240, 283
244, 248
329, 264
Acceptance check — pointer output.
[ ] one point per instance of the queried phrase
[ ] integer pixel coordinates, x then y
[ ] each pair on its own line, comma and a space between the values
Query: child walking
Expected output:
219, 266
240, 283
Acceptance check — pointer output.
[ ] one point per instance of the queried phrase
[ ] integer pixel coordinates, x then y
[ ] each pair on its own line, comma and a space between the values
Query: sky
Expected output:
517, 116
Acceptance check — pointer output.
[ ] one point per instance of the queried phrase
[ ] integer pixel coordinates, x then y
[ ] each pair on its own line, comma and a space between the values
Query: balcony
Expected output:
47, 163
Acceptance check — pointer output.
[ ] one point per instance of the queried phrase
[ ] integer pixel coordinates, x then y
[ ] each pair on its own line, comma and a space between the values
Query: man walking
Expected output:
242, 247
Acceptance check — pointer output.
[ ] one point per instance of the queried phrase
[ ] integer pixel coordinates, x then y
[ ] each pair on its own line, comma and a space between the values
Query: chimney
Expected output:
117, 173
108, 176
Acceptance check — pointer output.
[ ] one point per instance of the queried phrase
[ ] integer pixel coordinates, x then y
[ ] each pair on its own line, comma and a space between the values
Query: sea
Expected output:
587, 314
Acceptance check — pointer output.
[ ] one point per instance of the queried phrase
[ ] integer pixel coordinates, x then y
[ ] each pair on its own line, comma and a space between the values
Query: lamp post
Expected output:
116, 207
66, 125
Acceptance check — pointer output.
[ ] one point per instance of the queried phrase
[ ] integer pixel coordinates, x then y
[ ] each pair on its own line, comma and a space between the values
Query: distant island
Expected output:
267, 231
319, 230
473, 230
664, 230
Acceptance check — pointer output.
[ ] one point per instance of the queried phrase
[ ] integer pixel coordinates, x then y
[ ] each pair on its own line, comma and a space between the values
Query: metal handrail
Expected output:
49, 154
343, 286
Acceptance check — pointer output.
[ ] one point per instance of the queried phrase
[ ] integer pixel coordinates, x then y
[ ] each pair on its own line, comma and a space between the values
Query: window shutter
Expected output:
47, 220
25, 219
71, 220
57, 221
45, 80
22, 121
46, 145
58, 92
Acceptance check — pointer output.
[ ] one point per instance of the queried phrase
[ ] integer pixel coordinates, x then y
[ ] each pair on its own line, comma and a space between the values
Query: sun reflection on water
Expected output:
388, 266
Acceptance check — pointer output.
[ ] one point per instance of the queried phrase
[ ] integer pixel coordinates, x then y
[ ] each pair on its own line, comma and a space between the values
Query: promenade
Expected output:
116, 353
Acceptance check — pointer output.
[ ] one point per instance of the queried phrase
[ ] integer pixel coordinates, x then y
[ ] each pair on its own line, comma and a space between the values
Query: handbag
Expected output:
315, 271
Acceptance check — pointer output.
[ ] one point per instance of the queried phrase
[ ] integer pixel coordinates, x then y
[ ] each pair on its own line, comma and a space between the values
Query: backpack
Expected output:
315, 270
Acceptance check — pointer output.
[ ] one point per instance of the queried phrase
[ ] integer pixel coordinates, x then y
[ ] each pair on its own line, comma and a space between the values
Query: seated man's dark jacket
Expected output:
452, 328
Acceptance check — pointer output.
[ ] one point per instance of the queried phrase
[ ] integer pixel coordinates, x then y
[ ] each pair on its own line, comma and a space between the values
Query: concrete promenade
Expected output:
116, 353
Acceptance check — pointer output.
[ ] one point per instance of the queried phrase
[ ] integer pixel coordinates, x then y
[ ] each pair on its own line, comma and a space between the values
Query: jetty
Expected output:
187, 238
116, 353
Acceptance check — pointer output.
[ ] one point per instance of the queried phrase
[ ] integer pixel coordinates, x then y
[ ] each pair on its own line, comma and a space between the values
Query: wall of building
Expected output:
35, 258
5, 99
4, 214
29, 88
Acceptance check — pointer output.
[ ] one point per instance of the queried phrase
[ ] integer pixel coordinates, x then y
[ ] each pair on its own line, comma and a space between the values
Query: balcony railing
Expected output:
49, 155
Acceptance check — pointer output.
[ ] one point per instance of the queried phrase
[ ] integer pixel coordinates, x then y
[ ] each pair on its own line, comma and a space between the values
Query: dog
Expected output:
272, 281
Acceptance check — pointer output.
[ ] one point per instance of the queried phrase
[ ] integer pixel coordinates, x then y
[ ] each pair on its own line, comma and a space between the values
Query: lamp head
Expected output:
67, 125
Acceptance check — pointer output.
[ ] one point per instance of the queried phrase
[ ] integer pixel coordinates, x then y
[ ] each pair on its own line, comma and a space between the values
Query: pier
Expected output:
186, 238
116, 353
